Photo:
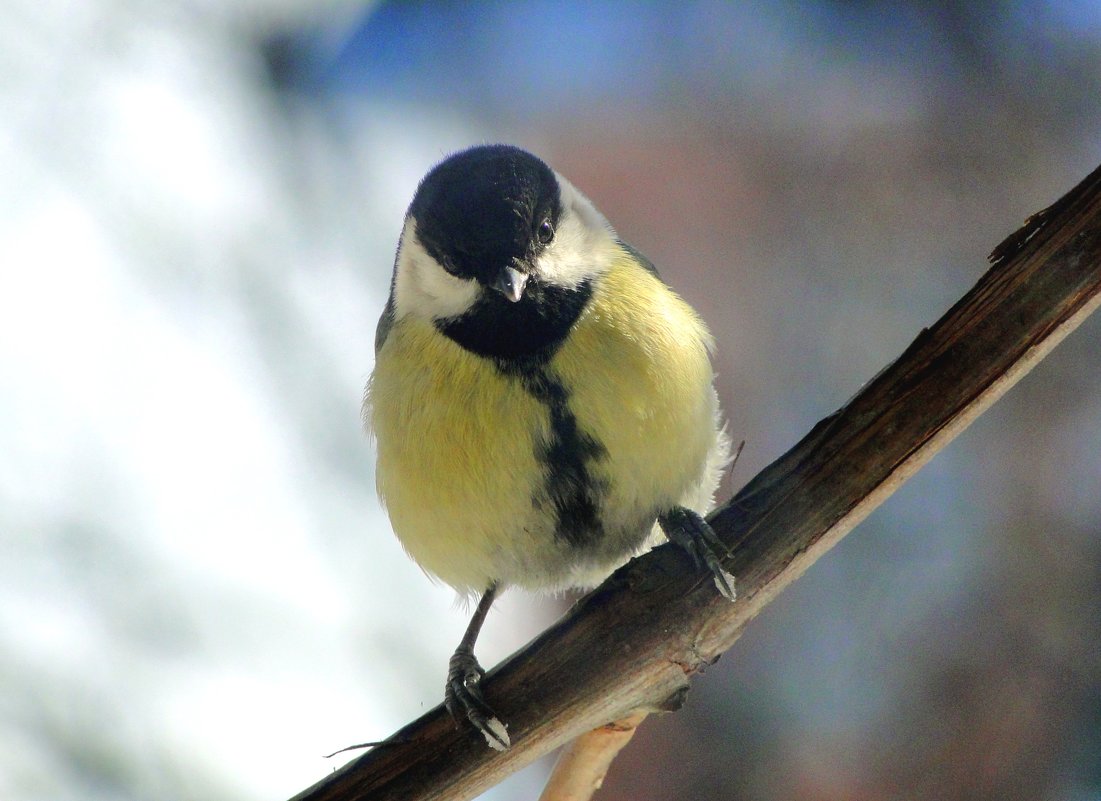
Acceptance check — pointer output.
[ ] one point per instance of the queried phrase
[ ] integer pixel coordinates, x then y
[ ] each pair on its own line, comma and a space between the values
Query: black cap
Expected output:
485, 209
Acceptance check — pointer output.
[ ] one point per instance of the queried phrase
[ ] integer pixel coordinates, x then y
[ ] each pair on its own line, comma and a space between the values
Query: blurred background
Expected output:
199, 595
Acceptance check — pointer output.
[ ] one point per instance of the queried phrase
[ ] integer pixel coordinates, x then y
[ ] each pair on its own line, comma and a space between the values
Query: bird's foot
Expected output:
690, 532
463, 699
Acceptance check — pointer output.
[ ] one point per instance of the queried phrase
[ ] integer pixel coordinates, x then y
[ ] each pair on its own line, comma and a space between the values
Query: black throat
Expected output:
523, 336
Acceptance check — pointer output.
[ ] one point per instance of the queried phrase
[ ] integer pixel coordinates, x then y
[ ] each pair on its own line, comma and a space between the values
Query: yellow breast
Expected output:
458, 440
641, 381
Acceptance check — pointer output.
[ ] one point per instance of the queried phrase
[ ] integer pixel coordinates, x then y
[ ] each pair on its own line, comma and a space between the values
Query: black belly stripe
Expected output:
521, 339
573, 491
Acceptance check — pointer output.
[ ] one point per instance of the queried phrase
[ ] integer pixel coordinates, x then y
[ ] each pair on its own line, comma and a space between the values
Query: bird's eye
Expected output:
545, 232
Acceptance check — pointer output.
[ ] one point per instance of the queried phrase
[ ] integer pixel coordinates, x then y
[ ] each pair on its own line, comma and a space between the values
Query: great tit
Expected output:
542, 403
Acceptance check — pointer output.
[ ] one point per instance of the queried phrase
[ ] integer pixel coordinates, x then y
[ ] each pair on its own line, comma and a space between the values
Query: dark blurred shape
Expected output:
284, 54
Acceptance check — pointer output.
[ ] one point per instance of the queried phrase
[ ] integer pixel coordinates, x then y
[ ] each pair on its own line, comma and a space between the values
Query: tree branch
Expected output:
633, 642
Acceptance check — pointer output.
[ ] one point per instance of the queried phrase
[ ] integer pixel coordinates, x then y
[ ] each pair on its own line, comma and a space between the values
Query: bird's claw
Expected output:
464, 700
691, 533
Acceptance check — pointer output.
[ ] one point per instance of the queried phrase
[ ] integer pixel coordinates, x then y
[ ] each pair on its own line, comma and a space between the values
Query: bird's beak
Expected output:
510, 283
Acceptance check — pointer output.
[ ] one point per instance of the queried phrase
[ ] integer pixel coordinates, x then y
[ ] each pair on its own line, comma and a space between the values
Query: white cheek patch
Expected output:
423, 288
584, 243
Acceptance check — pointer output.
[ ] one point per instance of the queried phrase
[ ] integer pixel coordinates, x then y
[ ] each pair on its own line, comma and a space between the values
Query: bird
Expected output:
542, 403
